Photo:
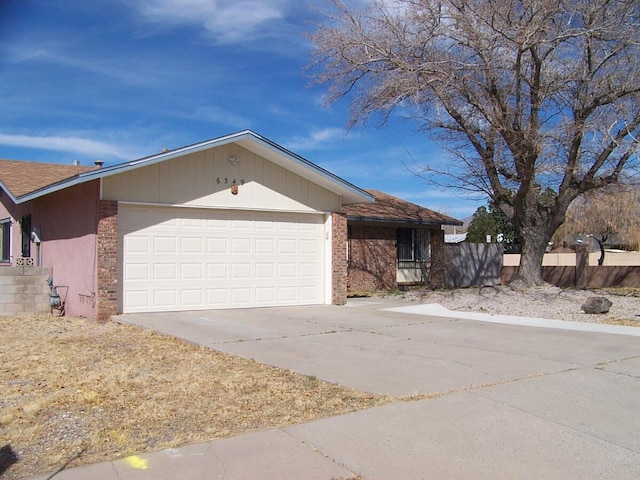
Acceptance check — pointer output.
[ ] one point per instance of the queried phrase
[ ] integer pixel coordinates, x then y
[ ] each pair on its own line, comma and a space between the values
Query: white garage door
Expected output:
193, 259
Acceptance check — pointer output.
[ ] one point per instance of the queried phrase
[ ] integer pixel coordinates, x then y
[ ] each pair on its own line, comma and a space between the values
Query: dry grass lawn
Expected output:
79, 392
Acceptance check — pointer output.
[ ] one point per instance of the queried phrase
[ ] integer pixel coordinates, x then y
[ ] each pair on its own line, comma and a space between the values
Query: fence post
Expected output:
582, 262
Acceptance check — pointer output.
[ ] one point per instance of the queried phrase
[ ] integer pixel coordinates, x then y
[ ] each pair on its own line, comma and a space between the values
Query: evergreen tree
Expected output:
482, 224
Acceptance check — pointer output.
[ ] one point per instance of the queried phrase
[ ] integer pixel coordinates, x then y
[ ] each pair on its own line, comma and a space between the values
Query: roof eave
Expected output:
266, 148
6, 191
348, 192
55, 187
412, 221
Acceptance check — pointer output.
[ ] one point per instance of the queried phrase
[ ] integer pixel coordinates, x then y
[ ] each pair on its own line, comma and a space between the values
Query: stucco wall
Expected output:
611, 258
67, 224
13, 212
595, 277
204, 179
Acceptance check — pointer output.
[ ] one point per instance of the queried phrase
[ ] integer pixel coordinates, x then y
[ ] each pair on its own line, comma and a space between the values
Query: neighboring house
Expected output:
455, 237
393, 242
237, 221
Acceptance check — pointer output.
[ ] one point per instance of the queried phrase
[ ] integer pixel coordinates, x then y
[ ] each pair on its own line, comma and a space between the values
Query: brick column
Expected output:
339, 258
438, 259
107, 239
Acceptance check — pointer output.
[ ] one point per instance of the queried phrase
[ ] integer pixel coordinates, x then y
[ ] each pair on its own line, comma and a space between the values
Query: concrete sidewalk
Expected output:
475, 399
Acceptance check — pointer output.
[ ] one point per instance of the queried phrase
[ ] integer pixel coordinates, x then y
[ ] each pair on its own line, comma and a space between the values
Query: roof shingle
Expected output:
21, 177
388, 208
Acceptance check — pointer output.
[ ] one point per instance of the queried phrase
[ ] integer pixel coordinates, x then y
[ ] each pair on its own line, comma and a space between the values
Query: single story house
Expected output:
236, 221
392, 242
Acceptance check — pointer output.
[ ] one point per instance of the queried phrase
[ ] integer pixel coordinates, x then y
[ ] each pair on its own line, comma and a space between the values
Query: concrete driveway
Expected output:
479, 400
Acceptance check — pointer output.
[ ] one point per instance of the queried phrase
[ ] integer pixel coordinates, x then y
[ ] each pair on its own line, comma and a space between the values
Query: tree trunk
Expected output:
601, 245
534, 244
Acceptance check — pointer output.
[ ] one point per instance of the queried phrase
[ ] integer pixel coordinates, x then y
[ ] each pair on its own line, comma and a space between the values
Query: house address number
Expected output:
226, 181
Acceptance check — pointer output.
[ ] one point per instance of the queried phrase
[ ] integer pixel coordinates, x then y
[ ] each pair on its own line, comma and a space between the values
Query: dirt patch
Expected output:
75, 392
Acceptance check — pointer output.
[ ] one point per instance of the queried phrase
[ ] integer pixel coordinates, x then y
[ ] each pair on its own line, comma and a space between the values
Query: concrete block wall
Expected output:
24, 289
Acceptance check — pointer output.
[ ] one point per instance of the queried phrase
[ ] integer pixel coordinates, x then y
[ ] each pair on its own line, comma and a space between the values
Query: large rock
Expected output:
596, 305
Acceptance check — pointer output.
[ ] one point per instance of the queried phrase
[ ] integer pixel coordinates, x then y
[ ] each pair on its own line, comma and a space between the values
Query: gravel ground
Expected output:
540, 302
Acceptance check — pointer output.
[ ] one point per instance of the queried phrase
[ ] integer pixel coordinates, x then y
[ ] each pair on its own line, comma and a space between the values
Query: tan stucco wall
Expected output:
569, 259
204, 179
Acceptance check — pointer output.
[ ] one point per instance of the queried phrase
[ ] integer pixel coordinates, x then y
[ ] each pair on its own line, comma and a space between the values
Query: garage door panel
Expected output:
308, 293
160, 218
241, 225
191, 298
241, 271
137, 300
198, 259
265, 271
192, 223
217, 246
287, 270
287, 294
137, 244
165, 245
309, 247
288, 227
265, 246
287, 247
241, 295
265, 295
309, 270
137, 272
165, 298
217, 271
191, 271
165, 271
241, 246
217, 297
191, 246
265, 225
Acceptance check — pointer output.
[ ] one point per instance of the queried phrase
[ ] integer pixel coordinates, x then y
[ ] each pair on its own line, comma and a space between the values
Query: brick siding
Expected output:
107, 301
373, 253
372, 258
438, 259
339, 259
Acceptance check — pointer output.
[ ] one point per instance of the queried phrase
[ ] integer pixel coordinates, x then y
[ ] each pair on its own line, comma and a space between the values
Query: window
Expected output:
5, 240
413, 247
25, 227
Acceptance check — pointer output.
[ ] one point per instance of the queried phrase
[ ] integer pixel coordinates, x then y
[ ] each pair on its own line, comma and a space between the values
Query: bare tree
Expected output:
610, 217
530, 96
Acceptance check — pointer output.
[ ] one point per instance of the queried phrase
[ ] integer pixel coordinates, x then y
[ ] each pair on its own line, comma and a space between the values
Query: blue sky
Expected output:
119, 80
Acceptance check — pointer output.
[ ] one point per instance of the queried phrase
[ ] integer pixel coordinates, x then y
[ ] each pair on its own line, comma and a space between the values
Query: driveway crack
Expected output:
317, 450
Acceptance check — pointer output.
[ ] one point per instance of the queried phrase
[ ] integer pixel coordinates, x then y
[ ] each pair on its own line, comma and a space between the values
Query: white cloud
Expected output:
76, 145
315, 139
60, 55
213, 114
228, 21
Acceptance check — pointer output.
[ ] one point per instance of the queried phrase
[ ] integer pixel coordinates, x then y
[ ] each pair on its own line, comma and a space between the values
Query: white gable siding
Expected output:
204, 179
